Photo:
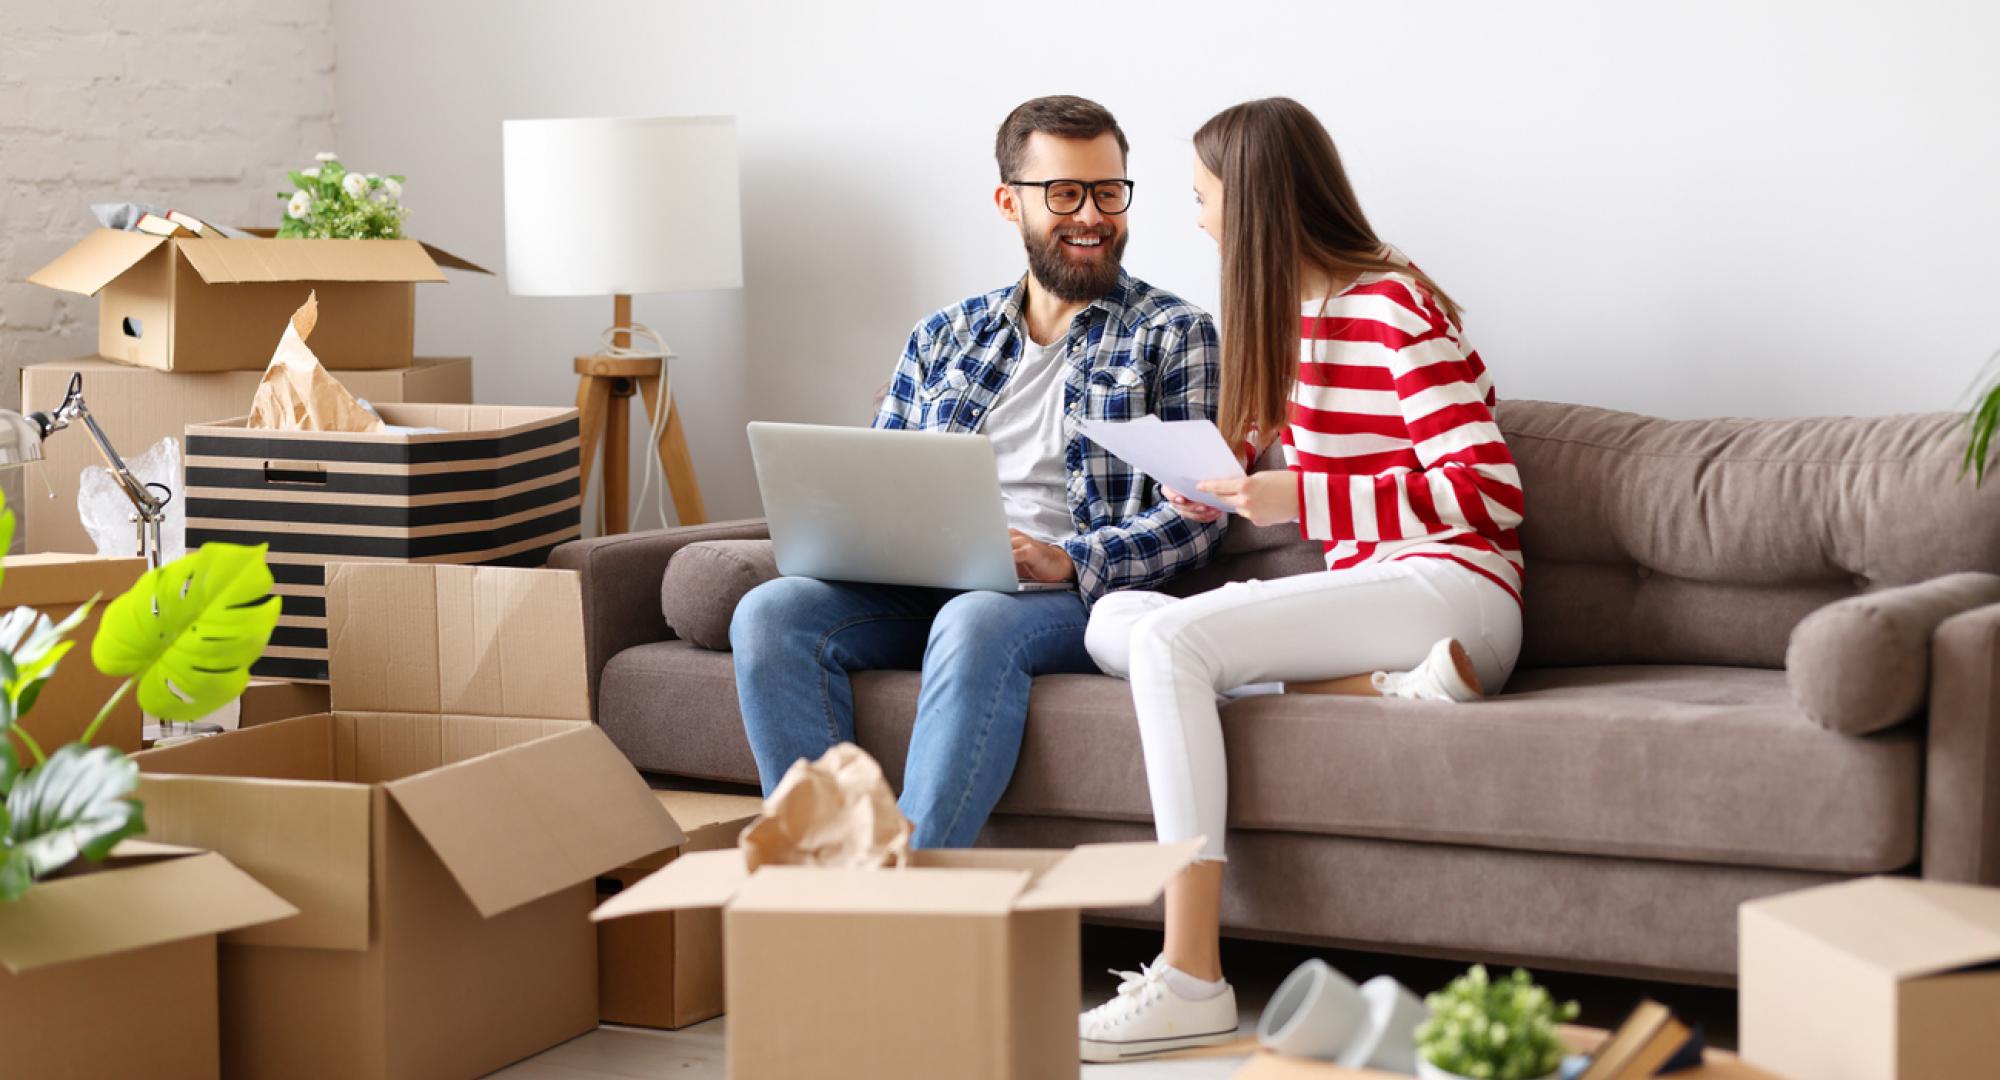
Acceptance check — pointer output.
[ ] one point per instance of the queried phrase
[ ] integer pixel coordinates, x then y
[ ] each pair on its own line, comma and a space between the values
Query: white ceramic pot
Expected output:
1428, 1071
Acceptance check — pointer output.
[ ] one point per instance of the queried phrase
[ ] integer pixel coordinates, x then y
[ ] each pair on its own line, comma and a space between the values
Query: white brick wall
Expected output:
200, 105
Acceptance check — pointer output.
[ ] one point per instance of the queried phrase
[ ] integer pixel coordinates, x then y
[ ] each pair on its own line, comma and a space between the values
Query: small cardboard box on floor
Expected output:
216, 304
499, 485
1880, 978
56, 585
138, 407
439, 832
110, 970
665, 970
963, 964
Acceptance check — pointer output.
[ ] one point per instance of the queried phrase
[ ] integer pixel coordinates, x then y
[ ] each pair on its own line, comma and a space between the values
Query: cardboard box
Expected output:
110, 967
500, 487
665, 970
216, 304
1872, 979
962, 965
138, 407
439, 832
56, 585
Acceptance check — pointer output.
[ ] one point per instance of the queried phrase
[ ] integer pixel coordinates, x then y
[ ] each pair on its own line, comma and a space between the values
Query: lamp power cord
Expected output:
646, 345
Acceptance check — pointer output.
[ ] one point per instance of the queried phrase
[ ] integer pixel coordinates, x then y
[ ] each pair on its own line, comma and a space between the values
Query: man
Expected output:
1024, 365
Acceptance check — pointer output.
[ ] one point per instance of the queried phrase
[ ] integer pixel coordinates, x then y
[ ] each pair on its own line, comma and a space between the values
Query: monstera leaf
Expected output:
32, 645
74, 804
188, 632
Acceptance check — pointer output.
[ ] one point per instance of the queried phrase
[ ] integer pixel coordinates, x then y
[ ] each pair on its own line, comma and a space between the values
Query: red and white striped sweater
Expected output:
1393, 439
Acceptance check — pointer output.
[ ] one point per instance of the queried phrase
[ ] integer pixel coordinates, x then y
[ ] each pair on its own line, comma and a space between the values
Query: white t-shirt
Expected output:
1026, 426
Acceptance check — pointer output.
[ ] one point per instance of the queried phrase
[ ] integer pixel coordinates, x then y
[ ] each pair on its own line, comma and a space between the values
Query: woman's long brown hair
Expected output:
1286, 203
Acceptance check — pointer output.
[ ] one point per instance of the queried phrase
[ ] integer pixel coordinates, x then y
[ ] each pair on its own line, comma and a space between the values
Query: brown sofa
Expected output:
1649, 767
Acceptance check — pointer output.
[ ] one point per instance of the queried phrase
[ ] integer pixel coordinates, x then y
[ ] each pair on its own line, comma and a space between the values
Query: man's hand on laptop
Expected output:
1037, 561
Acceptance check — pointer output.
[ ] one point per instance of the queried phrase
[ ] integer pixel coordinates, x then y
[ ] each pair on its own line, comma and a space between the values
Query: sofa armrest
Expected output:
1962, 766
621, 585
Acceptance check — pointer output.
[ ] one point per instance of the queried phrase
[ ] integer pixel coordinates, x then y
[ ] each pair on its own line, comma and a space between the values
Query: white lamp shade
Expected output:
608, 206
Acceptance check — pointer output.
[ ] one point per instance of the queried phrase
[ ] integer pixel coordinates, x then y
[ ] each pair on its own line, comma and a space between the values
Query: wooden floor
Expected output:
696, 1053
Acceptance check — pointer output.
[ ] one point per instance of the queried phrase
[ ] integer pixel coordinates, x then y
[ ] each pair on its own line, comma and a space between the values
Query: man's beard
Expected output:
1066, 278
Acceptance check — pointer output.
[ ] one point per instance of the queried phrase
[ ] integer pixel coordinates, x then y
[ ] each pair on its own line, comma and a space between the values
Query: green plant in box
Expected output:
1490, 1029
184, 634
327, 202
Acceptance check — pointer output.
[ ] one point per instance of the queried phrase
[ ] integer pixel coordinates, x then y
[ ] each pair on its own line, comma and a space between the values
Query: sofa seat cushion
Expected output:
1693, 764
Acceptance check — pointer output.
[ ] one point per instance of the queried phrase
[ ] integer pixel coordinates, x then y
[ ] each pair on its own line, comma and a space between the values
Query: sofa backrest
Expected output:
1655, 541
1705, 541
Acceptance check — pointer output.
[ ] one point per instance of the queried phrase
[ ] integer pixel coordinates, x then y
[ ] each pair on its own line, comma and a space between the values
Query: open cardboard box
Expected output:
56, 585
1872, 979
963, 964
110, 967
138, 407
219, 304
665, 970
439, 832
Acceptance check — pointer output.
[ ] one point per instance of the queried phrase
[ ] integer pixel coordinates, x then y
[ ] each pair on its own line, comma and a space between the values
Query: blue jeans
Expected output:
796, 639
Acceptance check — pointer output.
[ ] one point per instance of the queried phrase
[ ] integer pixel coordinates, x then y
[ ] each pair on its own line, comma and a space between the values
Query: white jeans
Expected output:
1180, 653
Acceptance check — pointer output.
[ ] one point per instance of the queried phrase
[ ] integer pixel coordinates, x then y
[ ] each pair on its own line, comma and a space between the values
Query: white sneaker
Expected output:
1148, 1017
1441, 677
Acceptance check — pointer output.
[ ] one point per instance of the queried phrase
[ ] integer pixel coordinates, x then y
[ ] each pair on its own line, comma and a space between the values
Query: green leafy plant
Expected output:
327, 202
1982, 418
1494, 1029
185, 634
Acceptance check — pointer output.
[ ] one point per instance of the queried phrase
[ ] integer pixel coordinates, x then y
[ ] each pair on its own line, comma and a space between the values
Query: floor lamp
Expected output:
618, 207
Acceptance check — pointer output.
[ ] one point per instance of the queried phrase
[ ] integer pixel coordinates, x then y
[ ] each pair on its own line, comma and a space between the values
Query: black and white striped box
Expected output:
498, 487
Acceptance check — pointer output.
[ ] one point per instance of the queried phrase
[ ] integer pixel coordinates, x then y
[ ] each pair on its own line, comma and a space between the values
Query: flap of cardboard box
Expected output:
131, 904
520, 823
1904, 927
459, 640
1108, 875
704, 879
306, 840
48, 579
96, 261
233, 262
438, 255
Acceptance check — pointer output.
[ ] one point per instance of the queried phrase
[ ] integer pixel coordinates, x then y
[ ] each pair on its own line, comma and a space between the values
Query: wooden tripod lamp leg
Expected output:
675, 461
593, 404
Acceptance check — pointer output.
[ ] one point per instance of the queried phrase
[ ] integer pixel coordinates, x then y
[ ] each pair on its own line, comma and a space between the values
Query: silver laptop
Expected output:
886, 507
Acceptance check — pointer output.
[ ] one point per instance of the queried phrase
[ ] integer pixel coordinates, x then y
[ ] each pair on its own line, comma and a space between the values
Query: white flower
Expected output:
325, 156
310, 174
300, 208
379, 198
355, 185
394, 189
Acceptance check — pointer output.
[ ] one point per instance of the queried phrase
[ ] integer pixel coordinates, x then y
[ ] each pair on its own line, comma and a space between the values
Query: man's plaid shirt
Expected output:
1136, 350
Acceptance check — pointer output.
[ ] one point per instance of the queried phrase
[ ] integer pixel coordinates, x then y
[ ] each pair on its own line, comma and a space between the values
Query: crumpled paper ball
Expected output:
837, 811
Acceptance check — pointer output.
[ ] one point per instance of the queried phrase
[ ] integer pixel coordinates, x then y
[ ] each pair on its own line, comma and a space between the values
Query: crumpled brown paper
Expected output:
297, 394
837, 811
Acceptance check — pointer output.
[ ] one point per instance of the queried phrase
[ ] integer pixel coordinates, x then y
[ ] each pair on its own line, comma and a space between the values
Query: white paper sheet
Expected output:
1177, 453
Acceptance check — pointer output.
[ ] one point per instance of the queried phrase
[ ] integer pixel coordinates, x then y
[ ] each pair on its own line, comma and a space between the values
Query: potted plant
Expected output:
1486, 1029
329, 203
184, 635
1981, 420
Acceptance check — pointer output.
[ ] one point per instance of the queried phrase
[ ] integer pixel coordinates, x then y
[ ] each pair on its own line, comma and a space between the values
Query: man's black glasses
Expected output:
1066, 196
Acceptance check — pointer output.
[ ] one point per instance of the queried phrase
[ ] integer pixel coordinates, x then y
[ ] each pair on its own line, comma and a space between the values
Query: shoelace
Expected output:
1131, 991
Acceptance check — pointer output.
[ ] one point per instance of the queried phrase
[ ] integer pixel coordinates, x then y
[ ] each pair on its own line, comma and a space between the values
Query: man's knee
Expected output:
770, 609
977, 620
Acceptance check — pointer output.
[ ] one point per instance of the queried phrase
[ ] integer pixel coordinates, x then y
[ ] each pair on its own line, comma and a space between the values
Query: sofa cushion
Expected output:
704, 582
1864, 663
1706, 541
1695, 764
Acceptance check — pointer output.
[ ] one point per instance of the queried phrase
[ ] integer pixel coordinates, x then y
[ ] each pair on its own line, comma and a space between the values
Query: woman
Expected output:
1353, 357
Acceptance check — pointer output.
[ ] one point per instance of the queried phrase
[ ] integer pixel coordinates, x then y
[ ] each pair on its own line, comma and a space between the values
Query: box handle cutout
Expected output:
609, 886
133, 327
304, 477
